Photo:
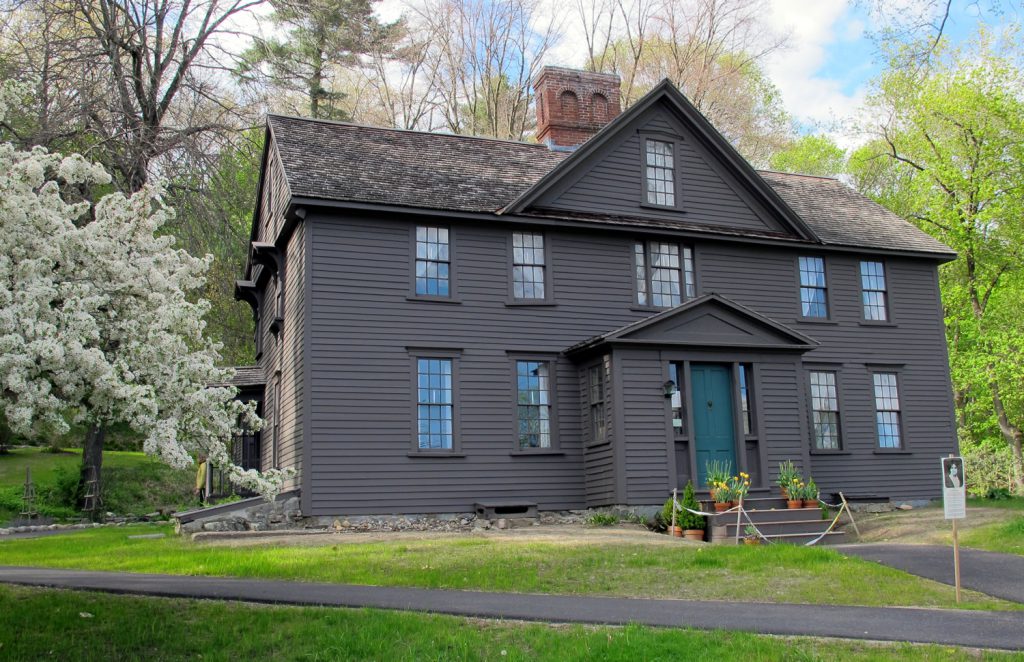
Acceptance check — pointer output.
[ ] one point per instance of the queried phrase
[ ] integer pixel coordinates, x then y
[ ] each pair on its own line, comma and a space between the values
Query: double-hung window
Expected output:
874, 291
433, 262
598, 423
533, 404
813, 288
825, 410
660, 171
887, 410
434, 404
664, 273
528, 265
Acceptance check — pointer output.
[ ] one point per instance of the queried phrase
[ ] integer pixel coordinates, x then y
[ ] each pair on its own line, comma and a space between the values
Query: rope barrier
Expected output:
740, 510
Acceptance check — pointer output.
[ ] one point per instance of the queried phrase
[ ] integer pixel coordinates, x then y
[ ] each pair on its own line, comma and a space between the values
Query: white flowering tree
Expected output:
97, 325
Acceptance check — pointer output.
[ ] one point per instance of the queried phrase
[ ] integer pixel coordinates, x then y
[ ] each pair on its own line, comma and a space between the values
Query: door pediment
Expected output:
710, 321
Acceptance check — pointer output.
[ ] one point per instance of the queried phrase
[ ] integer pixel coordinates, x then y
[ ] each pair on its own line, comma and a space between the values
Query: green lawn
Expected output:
1013, 503
778, 573
44, 623
1005, 537
133, 482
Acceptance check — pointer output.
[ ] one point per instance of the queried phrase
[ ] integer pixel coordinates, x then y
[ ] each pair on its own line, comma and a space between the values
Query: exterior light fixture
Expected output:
669, 388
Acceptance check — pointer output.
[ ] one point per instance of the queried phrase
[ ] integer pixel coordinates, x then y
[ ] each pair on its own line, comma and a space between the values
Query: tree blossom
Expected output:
98, 322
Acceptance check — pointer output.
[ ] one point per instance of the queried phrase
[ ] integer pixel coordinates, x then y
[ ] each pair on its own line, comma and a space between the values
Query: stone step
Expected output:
781, 527
798, 514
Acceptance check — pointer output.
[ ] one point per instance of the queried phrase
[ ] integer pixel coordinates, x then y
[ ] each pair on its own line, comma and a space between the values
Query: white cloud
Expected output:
814, 28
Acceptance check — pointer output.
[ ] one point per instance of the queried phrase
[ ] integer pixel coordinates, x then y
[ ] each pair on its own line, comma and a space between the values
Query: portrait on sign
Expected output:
953, 472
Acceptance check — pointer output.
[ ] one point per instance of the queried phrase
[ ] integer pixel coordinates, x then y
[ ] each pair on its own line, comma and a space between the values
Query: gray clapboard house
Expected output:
585, 321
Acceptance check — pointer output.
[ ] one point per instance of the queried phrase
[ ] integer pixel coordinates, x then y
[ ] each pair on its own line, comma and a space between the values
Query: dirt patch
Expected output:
921, 526
557, 534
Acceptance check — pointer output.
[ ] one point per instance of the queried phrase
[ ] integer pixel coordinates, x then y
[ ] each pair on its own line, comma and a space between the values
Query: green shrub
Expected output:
998, 494
684, 518
603, 519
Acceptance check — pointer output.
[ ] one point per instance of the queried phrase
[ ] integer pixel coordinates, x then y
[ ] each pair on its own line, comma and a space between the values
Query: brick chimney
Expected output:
573, 105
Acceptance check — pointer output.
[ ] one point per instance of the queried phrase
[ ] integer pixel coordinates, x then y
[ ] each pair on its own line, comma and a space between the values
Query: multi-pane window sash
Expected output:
887, 410
745, 398
527, 265
664, 273
598, 429
533, 404
675, 374
661, 189
433, 262
813, 290
434, 420
873, 291
825, 410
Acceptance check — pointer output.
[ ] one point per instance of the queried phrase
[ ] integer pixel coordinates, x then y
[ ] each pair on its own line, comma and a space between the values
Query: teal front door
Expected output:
712, 417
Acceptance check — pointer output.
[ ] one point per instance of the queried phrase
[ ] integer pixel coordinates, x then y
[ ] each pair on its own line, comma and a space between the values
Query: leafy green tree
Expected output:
214, 200
322, 36
950, 156
811, 155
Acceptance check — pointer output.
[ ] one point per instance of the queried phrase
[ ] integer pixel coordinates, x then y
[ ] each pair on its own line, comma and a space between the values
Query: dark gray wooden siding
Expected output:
612, 182
599, 474
362, 326
282, 353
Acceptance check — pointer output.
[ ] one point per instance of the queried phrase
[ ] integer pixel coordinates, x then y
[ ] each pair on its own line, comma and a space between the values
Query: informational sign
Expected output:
954, 492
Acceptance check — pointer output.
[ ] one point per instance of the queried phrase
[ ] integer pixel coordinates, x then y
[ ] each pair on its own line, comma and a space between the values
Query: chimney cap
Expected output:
573, 105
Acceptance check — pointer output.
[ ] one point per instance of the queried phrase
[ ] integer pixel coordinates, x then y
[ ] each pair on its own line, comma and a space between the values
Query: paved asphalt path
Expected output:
998, 575
983, 629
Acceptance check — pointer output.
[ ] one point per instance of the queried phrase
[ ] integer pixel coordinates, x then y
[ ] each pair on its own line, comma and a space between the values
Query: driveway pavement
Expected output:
983, 629
998, 575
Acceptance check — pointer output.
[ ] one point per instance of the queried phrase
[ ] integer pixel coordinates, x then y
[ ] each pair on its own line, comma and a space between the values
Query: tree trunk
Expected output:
92, 461
1013, 436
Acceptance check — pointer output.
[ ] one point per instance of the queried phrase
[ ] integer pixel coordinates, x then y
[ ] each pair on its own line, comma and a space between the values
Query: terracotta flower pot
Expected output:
694, 534
751, 541
810, 503
793, 504
721, 506
676, 531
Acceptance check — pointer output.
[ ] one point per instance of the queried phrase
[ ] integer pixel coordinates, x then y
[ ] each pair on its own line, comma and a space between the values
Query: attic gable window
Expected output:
660, 171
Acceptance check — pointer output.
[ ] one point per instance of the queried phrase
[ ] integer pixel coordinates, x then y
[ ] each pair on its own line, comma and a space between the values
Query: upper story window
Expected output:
533, 404
813, 289
528, 268
887, 409
434, 404
825, 410
433, 261
659, 159
664, 274
598, 422
874, 291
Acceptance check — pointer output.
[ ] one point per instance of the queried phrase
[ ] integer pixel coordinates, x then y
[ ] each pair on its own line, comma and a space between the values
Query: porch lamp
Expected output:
669, 388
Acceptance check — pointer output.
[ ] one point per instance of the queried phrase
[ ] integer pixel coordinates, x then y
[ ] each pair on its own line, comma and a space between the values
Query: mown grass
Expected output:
132, 482
45, 623
777, 573
1007, 537
1013, 503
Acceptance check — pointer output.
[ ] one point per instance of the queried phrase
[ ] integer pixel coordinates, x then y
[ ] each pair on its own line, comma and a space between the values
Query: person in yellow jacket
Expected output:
200, 490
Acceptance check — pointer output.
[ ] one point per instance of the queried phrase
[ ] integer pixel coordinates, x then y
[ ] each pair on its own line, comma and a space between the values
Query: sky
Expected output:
826, 70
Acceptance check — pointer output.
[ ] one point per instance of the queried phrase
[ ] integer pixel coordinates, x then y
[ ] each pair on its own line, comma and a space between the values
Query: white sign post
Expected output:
954, 502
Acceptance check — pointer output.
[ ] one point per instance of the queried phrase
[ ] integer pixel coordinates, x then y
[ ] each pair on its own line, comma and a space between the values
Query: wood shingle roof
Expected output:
339, 161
